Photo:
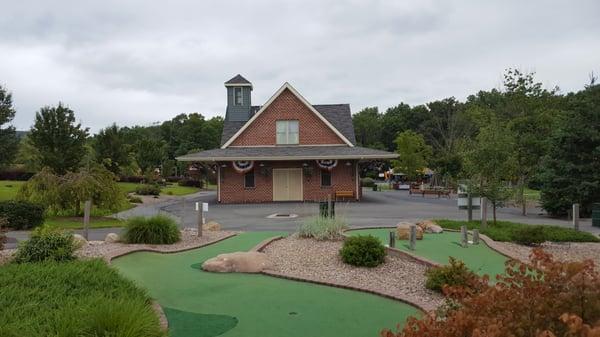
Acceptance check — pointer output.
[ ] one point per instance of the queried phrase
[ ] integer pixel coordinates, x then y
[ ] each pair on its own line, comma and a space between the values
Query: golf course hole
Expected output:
292, 313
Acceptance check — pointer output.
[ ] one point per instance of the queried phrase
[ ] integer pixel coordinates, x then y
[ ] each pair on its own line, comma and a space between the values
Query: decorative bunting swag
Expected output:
243, 166
327, 164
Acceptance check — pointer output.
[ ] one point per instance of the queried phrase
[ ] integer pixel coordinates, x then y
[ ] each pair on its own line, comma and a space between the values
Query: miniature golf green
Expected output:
199, 303
439, 247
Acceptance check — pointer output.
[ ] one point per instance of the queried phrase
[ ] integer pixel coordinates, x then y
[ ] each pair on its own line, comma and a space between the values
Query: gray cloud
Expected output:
137, 62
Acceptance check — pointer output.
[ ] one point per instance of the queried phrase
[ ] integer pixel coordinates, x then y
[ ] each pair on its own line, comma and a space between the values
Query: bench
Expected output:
344, 194
439, 193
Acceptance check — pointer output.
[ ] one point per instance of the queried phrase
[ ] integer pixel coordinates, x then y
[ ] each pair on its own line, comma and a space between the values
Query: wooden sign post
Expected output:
87, 209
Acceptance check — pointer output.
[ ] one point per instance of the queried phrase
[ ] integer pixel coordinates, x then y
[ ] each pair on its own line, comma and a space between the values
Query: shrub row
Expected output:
190, 182
21, 214
147, 189
522, 233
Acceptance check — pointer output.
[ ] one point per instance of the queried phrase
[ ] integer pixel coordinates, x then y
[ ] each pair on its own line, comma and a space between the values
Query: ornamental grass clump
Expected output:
363, 251
159, 229
323, 228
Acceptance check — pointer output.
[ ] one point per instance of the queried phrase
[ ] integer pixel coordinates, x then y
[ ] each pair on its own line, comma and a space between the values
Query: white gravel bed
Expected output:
319, 261
189, 240
565, 251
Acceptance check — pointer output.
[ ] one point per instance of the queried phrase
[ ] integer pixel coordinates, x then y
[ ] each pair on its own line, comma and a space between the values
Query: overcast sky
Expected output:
138, 62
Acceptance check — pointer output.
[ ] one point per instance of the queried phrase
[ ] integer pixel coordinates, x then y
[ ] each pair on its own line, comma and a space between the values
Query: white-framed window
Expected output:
287, 132
238, 98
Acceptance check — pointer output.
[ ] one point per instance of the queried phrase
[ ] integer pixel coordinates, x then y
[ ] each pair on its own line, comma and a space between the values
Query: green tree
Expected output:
59, 140
367, 127
150, 153
414, 153
489, 162
571, 171
28, 155
8, 136
111, 150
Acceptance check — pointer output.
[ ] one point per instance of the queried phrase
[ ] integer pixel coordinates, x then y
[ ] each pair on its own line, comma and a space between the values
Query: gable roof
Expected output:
332, 111
238, 80
337, 114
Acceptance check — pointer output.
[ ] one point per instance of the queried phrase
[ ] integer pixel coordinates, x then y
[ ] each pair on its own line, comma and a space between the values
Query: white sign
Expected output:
205, 207
197, 207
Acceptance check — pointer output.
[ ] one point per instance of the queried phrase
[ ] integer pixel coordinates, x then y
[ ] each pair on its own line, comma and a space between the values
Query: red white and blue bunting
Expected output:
243, 166
327, 164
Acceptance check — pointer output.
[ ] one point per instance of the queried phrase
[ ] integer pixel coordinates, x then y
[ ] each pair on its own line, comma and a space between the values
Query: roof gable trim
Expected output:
286, 85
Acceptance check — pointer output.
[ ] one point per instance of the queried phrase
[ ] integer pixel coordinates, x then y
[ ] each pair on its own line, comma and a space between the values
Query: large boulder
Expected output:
238, 262
212, 226
79, 240
112, 238
403, 230
429, 226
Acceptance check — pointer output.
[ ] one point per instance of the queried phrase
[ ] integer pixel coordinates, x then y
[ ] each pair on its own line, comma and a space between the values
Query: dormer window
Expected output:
287, 132
237, 96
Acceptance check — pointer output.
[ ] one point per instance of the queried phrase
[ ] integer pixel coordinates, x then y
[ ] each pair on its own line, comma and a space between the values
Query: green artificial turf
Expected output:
185, 323
439, 247
263, 305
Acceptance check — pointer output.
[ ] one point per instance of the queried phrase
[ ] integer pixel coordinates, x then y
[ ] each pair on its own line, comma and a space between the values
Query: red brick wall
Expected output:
232, 183
312, 130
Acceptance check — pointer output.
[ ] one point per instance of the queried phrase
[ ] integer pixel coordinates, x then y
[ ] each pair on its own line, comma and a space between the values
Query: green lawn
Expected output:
175, 189
77, 223
439, 247
507, 231
533, 195
198, 303
9, 189
79, 298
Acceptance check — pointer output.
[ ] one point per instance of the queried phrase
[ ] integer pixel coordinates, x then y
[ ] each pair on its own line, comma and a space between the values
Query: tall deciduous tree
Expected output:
413, 153
8, 137
571, 171
59, 140
111, 150
367, 127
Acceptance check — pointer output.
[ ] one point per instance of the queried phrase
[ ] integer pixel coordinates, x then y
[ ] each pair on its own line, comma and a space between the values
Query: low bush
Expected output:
147, 189
46, 244
78, 298
189, 182
159, 229
323, 228
530, 236
543, 297
173, 179
367, 182
22, 214
131, 179
363, 251
134, 199
455, 273
509, 231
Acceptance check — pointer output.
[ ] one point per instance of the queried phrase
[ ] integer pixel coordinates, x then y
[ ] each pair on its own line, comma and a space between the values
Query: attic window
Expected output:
237, 96
287, 132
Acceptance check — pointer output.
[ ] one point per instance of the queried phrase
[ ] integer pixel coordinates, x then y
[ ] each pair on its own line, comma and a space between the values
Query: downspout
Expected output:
218, 183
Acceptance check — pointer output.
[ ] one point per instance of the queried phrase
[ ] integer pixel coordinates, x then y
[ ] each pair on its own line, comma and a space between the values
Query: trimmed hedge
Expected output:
511, 231
363, 251
367, 182
147, 190
22, 214
46, 244
158, 229
190, 182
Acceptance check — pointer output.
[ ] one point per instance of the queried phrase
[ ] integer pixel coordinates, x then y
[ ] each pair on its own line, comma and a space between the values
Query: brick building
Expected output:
285, 150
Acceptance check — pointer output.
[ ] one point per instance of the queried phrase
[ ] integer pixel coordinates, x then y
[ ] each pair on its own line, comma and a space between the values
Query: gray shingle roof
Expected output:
238, 79
337, 114
288, 153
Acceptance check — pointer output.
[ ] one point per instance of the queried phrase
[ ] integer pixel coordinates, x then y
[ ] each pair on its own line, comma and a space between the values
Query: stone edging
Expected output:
162, 318
264, 244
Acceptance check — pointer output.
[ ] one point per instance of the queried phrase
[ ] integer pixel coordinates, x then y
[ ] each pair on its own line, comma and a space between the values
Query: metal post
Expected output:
392, 240
200, 210
412, 237
469, 207
464, 236
476, 236
576, 216
87, 208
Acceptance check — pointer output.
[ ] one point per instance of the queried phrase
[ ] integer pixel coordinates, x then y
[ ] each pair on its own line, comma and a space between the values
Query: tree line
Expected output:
500, 141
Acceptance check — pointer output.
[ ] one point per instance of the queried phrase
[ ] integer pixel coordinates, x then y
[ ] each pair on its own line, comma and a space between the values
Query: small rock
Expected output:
238, 262
212, 226
425, 223
434, 229
403, 230
112, 238
79, 240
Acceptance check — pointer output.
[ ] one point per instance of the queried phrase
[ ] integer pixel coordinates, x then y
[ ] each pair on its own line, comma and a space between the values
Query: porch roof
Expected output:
271, 153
